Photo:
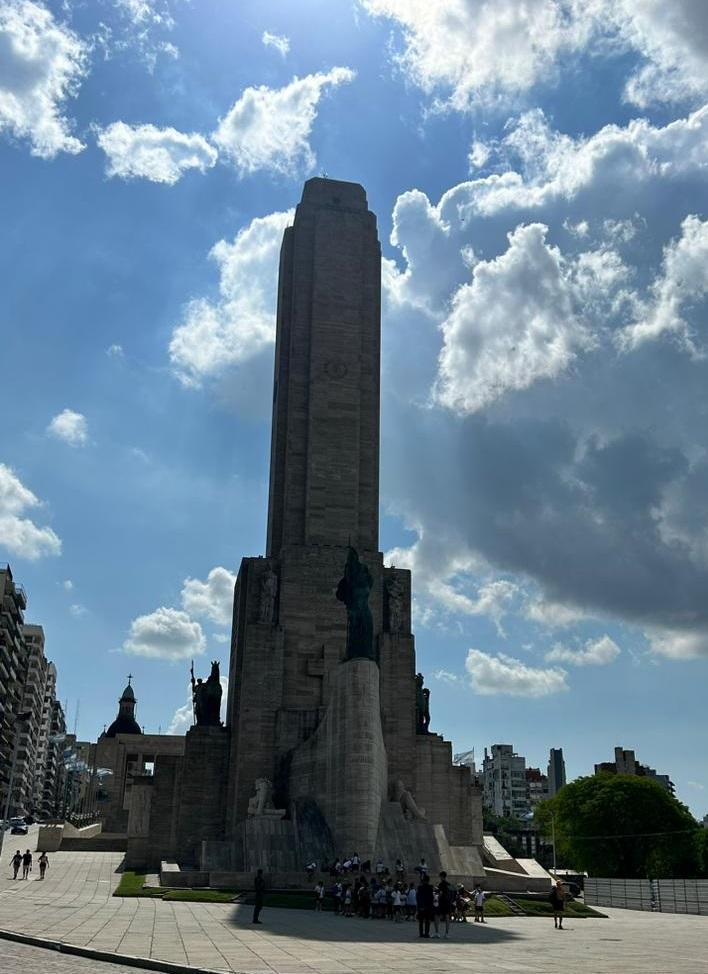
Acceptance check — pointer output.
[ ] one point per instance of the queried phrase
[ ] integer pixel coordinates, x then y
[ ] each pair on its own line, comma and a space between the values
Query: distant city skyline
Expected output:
544, 225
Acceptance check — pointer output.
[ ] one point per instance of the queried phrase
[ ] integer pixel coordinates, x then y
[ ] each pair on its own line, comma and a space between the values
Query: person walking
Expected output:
557, 897
479, 896
444, 906
43, 863
26, 864
16, 863
319, 896
337, 894
424, 902
259, 886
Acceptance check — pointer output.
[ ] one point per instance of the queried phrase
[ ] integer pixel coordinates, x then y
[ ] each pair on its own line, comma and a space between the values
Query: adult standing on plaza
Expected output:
16, 863
26, 864
558, 896
43, 863
424, 902
319, 896
259, 886
445, 903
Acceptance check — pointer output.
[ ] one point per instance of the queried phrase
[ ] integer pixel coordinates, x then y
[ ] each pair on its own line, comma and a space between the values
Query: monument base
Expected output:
342, 768
203, 791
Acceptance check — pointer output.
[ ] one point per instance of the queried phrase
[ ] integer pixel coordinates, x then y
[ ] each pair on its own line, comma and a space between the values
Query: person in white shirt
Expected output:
398, 899
411, 903
479, 897
319, 896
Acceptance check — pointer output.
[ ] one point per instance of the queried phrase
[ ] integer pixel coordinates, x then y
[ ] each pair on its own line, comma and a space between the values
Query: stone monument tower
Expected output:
329, 747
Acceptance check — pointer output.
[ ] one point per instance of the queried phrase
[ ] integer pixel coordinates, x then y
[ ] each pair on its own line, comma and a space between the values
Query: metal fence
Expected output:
683, 896
628, 894
659, 895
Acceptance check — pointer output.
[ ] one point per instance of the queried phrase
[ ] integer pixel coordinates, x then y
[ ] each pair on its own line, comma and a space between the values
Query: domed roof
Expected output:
123, 725
128, 693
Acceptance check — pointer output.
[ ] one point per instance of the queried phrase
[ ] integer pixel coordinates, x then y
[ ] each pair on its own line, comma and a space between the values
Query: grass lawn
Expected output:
132, 884
542, 908
495, 908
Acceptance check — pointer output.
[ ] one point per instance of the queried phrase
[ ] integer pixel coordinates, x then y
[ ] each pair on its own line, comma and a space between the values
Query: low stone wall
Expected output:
49, 838
52, 837
103, 842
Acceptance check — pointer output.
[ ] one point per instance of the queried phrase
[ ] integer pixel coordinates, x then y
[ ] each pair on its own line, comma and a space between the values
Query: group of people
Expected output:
382, 898
25, 861
353, 864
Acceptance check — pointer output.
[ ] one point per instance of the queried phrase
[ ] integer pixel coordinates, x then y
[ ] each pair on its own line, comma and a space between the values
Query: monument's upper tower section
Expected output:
324, 466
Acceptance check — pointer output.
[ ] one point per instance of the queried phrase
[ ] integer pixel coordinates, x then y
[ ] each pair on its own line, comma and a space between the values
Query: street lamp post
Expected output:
553, 840
19, 719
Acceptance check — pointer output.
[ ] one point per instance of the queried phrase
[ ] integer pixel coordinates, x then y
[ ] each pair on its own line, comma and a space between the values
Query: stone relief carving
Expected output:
401, 794
261, 803
268, 597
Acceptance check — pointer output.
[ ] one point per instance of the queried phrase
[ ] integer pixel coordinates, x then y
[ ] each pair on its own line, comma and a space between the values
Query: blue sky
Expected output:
539, 175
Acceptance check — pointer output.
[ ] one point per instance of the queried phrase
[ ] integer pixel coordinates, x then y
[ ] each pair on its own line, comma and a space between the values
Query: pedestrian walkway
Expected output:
74, 905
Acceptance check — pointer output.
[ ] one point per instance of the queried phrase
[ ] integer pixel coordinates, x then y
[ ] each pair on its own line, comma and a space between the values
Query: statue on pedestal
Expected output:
353, 590
268, 597
261, 804
206, 698
422, 706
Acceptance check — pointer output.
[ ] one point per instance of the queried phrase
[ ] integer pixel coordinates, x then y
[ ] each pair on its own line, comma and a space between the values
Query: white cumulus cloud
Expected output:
211, 599
472, 49
467, 51
69, 426
269, 128
20, 535
682, 283
278, 41
595, 652
523, 318
503, 674
678, 643
162, 155
42, 64
217, 334
165, 633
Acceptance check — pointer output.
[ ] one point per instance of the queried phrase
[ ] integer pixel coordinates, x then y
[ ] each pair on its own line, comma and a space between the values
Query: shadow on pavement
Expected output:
309, 925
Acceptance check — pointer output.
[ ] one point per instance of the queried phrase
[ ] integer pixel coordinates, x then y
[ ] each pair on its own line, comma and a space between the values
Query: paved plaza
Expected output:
74, 905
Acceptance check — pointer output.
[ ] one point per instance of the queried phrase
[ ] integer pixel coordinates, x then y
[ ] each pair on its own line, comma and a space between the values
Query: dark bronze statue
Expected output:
353, 590
422, 706
206, 698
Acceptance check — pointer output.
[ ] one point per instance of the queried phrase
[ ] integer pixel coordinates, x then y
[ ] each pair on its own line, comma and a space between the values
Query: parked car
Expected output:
19, 828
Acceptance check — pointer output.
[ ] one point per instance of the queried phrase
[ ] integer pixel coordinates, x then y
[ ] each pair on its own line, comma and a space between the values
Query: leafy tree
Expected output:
622, 826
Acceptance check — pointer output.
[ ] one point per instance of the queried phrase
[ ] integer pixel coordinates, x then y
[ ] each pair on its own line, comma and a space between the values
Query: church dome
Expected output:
123, 724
